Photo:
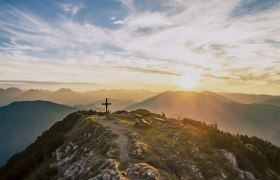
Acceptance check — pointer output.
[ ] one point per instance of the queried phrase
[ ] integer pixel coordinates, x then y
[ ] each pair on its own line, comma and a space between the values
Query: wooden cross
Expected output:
106, 104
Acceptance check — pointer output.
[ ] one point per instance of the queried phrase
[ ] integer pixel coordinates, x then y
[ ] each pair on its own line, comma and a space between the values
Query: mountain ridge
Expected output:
210, 107
21, 122
142, 145
70, 97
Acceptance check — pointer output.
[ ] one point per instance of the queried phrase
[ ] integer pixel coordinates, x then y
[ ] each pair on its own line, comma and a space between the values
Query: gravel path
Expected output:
121, 140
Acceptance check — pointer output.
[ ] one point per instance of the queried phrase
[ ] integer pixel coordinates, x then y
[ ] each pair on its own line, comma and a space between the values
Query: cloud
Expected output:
60, 40
206, 35
146, 20
73, 9
129, 4
150, 71
247, 7
202, 37
45, 82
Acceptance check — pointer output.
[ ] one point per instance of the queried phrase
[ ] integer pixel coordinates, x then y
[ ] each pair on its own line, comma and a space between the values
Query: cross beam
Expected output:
106, 104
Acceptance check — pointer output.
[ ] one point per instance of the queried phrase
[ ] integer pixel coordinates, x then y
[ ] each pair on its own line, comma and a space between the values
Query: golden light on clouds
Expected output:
188, 82
152, 45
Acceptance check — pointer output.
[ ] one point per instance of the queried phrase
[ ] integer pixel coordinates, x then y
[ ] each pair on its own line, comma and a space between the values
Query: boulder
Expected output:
141, 123
243, 175
142, 171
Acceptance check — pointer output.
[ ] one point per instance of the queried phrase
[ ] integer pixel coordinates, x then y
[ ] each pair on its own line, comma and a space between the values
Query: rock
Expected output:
230, 157
58, 154
193, 169
67, 149
91, 153
109, 154
223, 175
243, 175
142, 171
88, 135
176, 136
195, 150
138, 149
109, 169
141, 123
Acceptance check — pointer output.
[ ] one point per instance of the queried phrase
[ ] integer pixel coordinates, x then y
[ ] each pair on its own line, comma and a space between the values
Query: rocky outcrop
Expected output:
142, 171
109, 170
176, 136
185, 169
137, 147
142, 123
243, 175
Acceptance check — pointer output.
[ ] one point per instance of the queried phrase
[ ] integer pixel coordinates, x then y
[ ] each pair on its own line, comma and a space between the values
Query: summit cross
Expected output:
106, 104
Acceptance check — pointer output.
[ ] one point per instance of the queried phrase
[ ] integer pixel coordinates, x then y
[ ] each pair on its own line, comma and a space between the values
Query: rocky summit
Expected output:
142, 145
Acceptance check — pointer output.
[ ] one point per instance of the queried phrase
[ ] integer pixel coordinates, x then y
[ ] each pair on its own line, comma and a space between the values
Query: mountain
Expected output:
22, 122
142, 145
7, 94
121, 94
248, 98
116, 104
272, 101
71, 98
260, 119
32, 95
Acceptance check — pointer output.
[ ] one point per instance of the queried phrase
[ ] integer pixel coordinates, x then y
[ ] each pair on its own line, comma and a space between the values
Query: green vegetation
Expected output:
252, 153
145, 113
92, 112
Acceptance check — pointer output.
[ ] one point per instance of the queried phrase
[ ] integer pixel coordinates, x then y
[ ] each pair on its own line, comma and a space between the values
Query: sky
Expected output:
215, 45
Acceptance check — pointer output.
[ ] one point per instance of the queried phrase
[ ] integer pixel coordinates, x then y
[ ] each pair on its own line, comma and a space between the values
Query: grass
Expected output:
126, 122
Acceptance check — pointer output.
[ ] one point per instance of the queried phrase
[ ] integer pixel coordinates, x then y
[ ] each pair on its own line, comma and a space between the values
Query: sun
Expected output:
188, 81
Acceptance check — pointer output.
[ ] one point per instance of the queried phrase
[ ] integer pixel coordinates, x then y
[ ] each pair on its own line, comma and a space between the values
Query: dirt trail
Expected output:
122, 139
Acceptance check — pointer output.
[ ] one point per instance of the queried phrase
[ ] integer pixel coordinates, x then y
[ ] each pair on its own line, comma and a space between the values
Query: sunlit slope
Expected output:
248, 98
259, 119
22, 122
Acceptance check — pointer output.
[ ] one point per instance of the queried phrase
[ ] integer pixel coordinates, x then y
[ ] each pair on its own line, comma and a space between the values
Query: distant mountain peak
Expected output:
64, 90
13, 88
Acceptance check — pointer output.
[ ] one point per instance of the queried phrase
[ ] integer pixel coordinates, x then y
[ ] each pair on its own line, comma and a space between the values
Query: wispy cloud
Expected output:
235, 41
73, 9
151, 71
129, 4
46, 82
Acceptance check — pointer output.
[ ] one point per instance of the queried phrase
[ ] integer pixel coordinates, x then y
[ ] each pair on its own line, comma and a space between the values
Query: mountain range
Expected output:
237, 113
22, 122
71, 98
254, 119
253, 98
